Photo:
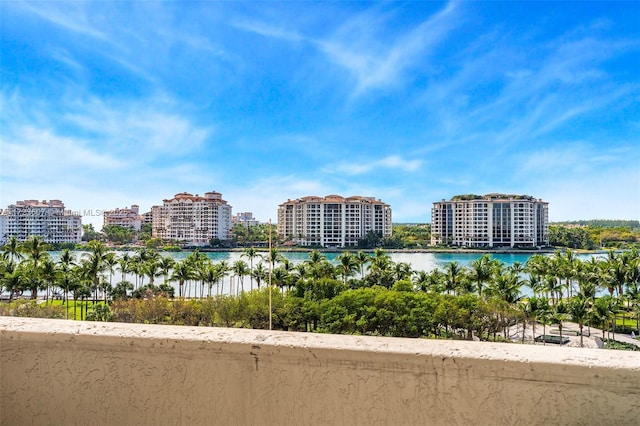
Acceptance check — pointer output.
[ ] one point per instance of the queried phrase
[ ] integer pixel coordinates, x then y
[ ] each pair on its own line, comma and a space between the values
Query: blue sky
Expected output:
107, 104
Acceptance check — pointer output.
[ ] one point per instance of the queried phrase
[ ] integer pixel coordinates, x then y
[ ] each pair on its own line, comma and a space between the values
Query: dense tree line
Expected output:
593, 237
603, 223
359, 293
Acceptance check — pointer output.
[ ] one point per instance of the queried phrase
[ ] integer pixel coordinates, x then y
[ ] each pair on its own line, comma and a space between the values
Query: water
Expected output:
419, 261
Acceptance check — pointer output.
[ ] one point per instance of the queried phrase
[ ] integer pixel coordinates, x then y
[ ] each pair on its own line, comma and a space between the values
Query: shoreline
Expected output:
355, 250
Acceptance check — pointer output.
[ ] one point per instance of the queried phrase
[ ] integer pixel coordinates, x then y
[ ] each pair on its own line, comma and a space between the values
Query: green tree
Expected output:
481, 271
363, 258
453, 275
36, 252
95, 264
90, 234
251, 254
579, 311
13, 249
347, 265
50, 274
182, 272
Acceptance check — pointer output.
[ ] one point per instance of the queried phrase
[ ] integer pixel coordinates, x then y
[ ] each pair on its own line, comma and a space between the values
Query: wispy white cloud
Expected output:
361, 46
506, 100
376, 63
574, 158
71, 16
267, 30
91, 144
35, 151
390, 162
151, 127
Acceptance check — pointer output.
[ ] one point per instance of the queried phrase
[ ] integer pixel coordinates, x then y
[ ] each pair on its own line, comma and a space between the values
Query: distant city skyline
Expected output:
109, 104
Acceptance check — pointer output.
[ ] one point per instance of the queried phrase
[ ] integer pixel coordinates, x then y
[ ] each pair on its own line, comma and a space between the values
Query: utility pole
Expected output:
270, 271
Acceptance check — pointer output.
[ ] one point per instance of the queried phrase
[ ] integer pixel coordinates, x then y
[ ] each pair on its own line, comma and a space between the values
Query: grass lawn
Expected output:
78, 306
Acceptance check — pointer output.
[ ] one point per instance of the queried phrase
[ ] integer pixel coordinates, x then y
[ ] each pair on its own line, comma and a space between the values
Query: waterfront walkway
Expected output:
570, 330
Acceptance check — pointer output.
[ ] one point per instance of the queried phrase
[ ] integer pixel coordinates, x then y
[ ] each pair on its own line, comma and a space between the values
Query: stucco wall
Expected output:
80, 373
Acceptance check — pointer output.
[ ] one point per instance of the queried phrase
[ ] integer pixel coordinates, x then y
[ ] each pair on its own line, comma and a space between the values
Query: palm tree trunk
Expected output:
581, 345
533, 330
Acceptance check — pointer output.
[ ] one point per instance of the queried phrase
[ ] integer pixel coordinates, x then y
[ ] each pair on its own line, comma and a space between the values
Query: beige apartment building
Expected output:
492, 220
45, 219
332, 221
192, 219
127, 217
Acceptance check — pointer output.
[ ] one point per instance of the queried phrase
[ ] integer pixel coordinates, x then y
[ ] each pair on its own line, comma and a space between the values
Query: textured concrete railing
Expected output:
80, 373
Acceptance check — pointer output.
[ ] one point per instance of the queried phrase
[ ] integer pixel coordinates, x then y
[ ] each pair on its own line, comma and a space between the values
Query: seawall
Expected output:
78, 373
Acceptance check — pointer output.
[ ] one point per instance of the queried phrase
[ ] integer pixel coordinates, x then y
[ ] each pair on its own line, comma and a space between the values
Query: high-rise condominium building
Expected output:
192, 219
45, 219
332, 221
493, 220
127, 217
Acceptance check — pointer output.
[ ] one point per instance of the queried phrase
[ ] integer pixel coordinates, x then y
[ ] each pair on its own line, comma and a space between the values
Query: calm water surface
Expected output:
418, 261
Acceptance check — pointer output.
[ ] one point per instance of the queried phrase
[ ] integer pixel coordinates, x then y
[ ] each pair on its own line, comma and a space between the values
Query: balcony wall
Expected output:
79, 373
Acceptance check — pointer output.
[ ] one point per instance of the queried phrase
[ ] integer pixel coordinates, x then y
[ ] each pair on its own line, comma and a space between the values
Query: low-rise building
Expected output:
244, 218
127, 217
492, 220
192, 219
332, 221
48, 220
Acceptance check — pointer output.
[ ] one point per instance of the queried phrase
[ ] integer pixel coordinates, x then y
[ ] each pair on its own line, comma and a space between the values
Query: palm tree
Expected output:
534, 307
49, 275
566, 266
240, 269
481, 270
13, 280
421, 280
220, 270
453, 274
280, 278
81, 286
260, 273
617, 274
553, 287
13, 248
204, 274
66, 257
182, 273
436, 281
506, 286
362, 258
250, 253
153, 270
347, 265
402, 271
120, 291
124, 263
535, 283
110, 262
208, 275
559, 314
380, 271
272, 257
36, 250
579, 311
603, 311
166, 265
96, 264
542, 317
315, 257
